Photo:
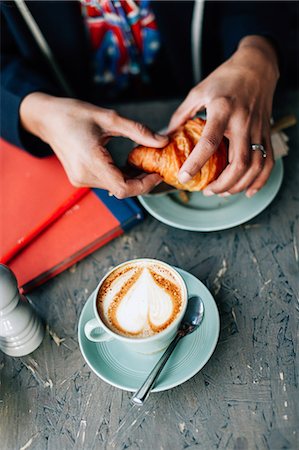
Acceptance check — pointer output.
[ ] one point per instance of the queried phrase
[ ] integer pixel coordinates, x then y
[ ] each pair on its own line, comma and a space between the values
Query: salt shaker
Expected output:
21, 330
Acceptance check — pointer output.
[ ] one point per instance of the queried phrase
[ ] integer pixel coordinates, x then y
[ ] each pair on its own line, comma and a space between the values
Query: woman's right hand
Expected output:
77, 132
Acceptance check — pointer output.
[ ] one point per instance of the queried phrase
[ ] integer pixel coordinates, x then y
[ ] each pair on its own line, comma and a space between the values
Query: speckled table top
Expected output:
245, 397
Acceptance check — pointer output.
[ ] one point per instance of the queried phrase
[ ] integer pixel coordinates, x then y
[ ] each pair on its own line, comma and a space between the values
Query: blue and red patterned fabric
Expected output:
124, 38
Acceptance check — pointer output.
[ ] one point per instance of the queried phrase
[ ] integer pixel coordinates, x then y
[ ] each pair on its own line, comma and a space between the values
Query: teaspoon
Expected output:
191, 320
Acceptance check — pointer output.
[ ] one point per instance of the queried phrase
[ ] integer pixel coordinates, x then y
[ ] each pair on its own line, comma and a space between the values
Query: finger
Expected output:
238, 166
137, 132
262, 178
136, 186
190, 106
181, 115
119, 185
208, 143
257, 165
104, 174
257, 161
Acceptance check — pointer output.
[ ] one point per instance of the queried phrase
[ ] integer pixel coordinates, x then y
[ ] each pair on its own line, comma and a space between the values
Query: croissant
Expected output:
168, 160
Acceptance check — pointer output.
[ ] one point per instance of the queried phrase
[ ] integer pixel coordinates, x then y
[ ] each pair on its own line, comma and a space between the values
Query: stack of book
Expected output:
46, 224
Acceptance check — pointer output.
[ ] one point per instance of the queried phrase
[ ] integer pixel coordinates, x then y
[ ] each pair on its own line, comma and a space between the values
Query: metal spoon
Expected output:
191, 320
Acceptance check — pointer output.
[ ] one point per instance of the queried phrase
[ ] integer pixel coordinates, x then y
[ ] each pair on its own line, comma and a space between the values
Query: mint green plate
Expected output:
114, 363
212, 213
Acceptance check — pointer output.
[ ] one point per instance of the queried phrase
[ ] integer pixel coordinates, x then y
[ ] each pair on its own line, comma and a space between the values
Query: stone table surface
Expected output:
245, 397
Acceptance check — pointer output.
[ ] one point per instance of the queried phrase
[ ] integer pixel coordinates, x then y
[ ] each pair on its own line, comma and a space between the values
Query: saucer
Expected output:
121, 367
212, 213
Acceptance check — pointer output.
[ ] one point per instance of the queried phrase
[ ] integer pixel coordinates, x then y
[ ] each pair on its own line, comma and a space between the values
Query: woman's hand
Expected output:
238, 99
78, 132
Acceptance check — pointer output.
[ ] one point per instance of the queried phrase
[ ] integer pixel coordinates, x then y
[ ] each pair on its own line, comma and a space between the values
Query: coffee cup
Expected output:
139, 303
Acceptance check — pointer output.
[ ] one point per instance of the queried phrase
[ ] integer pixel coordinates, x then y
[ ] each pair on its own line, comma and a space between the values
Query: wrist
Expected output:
34, 112
258, 51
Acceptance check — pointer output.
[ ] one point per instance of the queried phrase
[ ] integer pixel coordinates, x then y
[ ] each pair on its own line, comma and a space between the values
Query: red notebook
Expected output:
31, 189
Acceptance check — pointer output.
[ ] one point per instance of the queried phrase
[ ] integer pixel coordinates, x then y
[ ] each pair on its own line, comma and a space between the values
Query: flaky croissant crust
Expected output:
168, 160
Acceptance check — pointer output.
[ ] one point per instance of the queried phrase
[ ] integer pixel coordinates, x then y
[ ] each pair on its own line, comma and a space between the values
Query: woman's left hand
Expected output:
237, 98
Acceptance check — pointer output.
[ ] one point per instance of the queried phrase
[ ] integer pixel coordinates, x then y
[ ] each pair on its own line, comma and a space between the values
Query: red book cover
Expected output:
31, 189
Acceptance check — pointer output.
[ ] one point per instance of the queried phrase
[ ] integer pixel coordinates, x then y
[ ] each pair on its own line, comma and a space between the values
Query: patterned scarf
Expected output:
124, 38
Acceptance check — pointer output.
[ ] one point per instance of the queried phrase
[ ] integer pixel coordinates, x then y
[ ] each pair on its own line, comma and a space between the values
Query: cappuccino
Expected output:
141, 298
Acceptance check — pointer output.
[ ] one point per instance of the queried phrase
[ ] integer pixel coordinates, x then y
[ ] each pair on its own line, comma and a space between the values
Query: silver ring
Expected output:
259, 147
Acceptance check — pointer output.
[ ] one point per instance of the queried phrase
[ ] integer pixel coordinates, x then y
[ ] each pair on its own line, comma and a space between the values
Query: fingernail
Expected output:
160, 137
184, 177
170, 130
208, 192
224, 194
251, 193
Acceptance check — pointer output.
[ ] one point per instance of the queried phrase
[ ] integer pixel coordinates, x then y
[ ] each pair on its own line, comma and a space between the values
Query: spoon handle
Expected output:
143, 392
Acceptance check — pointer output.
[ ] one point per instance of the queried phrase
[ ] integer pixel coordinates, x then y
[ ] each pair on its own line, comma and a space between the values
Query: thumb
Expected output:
185, 111
137, 132
179, 117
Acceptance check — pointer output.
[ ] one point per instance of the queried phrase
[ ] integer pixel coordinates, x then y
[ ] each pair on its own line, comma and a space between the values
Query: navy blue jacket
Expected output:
24, 69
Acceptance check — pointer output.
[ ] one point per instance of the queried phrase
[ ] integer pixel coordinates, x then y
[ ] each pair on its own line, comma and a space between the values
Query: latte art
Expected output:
140, 299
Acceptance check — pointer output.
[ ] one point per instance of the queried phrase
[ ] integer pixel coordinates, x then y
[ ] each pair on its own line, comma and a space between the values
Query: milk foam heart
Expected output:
140, 299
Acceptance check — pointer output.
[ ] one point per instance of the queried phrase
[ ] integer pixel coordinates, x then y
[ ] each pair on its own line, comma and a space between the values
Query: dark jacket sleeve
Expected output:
18, 79
24, 69
244, 18
227, 22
